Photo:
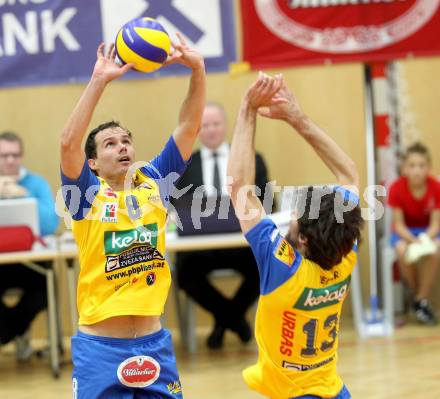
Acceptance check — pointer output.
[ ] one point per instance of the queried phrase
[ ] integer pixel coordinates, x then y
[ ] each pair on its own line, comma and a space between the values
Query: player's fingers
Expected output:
265, 83
278, 101
181, 39
178, 47
125, 68
268, 87
110, 50
100, 50
276, 87
113, 54
173, 58
264, 111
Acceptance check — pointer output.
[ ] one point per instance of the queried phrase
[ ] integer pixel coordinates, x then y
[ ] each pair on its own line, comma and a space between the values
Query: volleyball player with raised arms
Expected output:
121, 350
304, 276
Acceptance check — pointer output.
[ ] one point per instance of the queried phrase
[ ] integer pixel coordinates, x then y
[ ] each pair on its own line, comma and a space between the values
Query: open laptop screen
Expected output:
20, 211
205, 215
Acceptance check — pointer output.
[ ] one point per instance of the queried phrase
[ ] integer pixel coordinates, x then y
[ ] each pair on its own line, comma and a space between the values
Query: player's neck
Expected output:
118, 183
417, 186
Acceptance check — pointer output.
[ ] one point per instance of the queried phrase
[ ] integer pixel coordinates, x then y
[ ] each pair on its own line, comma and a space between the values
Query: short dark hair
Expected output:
90, 146
417, 148
12, 137
328, 241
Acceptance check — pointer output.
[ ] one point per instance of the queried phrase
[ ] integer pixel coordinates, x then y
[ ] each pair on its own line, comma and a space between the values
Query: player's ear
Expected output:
92, 164
303, 241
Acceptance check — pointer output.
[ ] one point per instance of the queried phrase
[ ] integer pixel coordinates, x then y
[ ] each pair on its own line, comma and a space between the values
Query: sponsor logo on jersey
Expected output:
285, 253
135, 270
307, 367
317, 298
138, 371
134, 256
108, 192
116, 242
129, 282
174, 387
151, 278
109, 212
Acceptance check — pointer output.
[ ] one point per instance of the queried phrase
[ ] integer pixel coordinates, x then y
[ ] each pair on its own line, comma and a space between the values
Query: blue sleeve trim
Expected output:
265, 240
166, 169
80, 193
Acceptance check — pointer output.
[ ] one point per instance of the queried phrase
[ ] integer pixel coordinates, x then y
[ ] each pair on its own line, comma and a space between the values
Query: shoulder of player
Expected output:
284, 252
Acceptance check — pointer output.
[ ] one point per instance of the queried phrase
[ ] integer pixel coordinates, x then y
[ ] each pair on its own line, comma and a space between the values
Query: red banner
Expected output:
280, 33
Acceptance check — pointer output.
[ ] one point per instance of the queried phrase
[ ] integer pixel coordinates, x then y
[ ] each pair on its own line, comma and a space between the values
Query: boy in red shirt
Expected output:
415, 202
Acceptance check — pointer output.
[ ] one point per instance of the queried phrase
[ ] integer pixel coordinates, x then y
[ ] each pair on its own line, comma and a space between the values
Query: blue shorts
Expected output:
414, 230
120, 368
344, 394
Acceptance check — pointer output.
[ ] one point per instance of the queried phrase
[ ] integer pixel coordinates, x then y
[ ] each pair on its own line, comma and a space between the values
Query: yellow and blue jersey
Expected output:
121, 239
297, 320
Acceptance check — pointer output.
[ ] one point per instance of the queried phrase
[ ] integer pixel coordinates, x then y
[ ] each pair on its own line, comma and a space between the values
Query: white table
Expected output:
29, 259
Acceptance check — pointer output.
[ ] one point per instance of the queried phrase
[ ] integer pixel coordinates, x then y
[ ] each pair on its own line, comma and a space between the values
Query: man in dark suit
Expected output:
208, 169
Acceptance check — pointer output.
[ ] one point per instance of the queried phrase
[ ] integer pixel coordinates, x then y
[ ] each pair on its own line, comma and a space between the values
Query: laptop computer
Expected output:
20, 211
205, 215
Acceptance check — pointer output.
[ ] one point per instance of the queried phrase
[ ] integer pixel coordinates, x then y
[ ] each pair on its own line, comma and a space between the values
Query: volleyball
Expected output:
143, 42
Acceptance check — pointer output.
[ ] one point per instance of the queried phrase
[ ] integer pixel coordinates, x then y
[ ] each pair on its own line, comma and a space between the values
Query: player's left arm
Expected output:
241, 165
190, 115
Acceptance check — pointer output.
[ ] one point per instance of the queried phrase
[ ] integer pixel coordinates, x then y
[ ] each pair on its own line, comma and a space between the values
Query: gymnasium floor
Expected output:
403, 367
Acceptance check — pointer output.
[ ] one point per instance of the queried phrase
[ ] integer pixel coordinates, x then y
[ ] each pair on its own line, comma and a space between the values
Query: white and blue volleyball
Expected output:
143, 42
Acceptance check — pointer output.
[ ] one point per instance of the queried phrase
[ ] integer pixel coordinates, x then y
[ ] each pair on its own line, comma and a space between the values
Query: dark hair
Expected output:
328, 241
90, 146
12, 137
417, 148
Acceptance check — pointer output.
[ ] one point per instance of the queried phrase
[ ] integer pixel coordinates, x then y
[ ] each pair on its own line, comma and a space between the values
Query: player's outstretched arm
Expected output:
341, 165
72, 153
241, 165
190, 115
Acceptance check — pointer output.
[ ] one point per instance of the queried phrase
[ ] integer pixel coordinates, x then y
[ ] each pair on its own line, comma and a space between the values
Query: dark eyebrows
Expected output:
124, 136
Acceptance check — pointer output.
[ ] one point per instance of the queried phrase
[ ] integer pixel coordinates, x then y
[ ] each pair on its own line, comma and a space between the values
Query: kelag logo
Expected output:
317, 298
116, 242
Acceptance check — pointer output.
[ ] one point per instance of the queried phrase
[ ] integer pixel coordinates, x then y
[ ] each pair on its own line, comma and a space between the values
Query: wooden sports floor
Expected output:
406, 366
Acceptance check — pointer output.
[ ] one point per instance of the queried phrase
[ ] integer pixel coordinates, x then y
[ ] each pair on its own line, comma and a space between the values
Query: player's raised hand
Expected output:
106, 67
182, 53
264, 92
288, 110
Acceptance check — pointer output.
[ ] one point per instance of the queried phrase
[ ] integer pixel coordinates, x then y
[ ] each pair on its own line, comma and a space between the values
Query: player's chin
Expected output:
123, 167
